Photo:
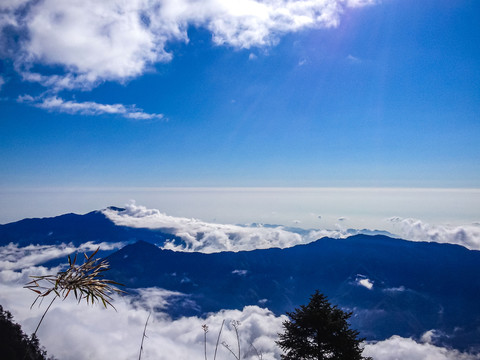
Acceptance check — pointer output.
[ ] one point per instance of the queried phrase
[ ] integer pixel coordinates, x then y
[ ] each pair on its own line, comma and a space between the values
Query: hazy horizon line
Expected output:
233, 188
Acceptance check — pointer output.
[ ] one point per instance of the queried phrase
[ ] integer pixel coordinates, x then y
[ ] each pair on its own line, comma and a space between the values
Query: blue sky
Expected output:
242, 93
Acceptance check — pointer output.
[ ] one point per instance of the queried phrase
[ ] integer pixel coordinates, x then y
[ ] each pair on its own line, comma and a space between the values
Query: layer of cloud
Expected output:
417, 230
94, 41
209, 237
54, 103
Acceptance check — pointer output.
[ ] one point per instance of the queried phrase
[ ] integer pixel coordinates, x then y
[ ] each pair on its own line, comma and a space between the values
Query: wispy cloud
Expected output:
353, 59
54, 103
302, 62
240, 272
2, 82
395, 289
115, 40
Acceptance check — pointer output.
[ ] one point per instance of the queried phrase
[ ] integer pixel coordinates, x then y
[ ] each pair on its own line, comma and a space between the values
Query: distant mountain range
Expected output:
392, 286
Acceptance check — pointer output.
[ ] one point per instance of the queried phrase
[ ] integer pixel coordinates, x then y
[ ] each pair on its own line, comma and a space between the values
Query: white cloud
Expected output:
396, 348
362, 280
366, 283
209, 237
155, 298
417, 230
23, 276
2, 82
395, 289
54, 103
340, 233
240, 272
95, 41
429, 336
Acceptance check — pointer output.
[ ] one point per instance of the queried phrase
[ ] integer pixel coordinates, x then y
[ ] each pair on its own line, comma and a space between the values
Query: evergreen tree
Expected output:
319, 331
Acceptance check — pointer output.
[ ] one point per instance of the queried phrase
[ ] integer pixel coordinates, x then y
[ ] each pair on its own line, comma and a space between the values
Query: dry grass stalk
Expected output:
144, 336
205, 331
259, 354
218, 340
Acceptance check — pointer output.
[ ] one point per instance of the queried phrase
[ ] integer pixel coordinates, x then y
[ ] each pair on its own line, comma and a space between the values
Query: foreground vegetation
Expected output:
15, 344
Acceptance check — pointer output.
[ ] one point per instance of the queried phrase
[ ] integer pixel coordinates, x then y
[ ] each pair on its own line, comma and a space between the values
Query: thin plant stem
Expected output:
231, 351
238, 339
259, 355
45, 313
205, 343
38, 326
144, 336
218, 339
205, 331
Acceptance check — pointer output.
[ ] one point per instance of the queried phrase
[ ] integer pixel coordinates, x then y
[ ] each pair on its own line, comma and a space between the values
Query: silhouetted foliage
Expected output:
319, 331
14, 344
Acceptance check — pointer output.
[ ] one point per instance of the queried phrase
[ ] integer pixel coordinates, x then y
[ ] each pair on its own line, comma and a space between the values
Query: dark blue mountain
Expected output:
417, 286
76, 229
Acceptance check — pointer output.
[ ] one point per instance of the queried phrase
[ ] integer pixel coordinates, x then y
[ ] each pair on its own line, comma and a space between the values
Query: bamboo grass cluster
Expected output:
86, 281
